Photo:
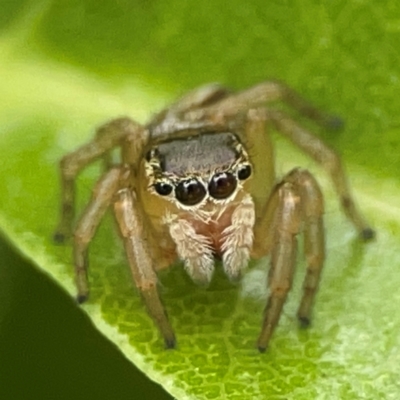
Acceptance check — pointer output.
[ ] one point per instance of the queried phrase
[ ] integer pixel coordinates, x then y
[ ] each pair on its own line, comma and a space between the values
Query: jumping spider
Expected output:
198, 183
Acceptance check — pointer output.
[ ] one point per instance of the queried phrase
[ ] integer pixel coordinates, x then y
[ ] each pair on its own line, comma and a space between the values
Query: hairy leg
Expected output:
130, 222
285, 226
108, 136
268, 92
312, 207
296, 204
329, 160
87, 226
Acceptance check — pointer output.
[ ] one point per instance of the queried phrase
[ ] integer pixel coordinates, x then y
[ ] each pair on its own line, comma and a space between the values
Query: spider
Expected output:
197, 183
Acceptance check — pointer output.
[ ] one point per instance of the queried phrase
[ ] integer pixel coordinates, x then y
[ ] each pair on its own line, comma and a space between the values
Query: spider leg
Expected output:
285, 201
200, 97
133, 232
274, 91
296, 204
312, 207
329, 160
172, 120
87, 225
107, 137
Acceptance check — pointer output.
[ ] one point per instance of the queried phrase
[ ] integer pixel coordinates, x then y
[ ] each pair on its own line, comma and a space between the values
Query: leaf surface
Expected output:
131, 61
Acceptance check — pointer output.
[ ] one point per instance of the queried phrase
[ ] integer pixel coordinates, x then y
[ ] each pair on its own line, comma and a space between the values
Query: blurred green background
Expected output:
342, 54
50, 350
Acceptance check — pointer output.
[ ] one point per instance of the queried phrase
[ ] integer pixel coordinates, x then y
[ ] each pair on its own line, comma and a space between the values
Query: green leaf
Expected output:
67, 67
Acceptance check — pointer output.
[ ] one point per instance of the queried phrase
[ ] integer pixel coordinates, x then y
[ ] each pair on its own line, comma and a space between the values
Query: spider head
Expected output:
191, 171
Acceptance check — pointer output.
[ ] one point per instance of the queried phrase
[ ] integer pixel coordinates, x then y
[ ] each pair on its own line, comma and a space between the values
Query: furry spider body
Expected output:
198, 183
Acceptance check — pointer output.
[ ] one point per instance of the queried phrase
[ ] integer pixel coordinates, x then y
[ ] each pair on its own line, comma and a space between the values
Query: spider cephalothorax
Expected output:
188, 188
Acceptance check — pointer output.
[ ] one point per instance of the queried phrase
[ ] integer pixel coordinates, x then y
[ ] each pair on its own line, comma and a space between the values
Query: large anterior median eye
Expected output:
222, 185
190, 192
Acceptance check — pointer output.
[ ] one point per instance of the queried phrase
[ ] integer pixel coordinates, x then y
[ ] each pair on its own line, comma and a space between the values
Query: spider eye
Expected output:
222, 185
244, 172
162, 188
190, 192
151, 154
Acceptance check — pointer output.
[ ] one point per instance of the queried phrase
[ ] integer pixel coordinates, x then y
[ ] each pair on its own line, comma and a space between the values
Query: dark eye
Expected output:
222, 185
244, 172
190, 192
163, 188
153, 153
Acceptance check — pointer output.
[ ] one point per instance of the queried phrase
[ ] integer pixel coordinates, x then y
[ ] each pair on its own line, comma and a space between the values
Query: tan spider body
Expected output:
198, 183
